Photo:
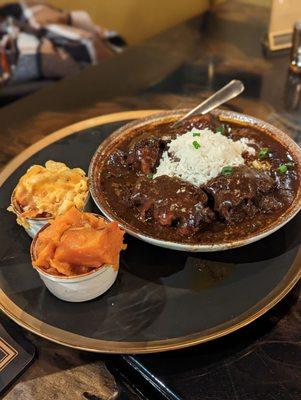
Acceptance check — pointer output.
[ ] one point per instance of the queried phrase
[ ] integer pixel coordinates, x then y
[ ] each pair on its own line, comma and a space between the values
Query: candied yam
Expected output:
80, 246
77, 242
112, 243
44, 251
95, 222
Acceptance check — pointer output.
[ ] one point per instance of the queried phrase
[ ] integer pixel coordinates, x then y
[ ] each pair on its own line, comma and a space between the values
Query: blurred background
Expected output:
137, 20
43, 41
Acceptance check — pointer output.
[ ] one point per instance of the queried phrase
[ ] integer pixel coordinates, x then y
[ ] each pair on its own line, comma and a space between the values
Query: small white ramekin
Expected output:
80, 288
33, 225
77, 288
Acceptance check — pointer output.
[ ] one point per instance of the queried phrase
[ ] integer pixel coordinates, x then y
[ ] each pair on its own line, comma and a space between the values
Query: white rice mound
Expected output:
199, 165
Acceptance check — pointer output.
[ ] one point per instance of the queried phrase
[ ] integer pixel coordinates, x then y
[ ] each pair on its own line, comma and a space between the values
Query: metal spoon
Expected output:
228, 92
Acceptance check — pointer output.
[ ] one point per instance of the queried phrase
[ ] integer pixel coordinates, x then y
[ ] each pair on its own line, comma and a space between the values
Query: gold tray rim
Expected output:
79, 342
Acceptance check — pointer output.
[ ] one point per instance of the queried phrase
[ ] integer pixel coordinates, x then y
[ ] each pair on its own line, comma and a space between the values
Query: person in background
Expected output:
38, 41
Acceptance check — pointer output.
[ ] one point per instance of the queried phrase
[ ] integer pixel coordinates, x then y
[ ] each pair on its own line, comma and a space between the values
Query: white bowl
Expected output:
33, 225
80, 288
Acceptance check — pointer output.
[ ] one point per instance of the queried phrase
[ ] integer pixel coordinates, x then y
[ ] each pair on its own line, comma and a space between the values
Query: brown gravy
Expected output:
173, 210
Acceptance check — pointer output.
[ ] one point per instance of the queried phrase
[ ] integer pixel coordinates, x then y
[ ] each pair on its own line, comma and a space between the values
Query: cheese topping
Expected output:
50, 191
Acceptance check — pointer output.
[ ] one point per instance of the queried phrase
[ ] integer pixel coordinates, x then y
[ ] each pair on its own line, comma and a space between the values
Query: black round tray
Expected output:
162, 299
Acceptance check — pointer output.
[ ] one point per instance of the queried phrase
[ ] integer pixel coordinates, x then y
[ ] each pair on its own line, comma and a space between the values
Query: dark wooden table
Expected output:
176, 69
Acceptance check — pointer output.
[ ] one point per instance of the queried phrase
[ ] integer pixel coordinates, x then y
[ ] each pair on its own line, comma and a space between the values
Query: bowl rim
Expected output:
169, 116
72, 278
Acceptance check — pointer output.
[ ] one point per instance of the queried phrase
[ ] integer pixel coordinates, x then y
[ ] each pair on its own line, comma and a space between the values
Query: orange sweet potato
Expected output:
77, 242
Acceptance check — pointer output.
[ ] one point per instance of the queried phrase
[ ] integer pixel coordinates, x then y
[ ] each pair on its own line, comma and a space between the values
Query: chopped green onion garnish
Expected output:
196, 134
150, 176
282, 168
227, 171
196, 144
290, 164
220, 129
224, 129
263, 153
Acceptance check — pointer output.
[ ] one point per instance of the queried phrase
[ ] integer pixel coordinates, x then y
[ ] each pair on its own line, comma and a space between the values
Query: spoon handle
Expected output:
228, 92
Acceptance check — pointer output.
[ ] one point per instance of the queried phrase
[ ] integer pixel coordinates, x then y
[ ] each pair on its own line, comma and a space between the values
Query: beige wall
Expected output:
135, 19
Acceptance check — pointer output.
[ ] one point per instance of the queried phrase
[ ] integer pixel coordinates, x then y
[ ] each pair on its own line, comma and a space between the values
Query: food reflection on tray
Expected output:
207, 184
